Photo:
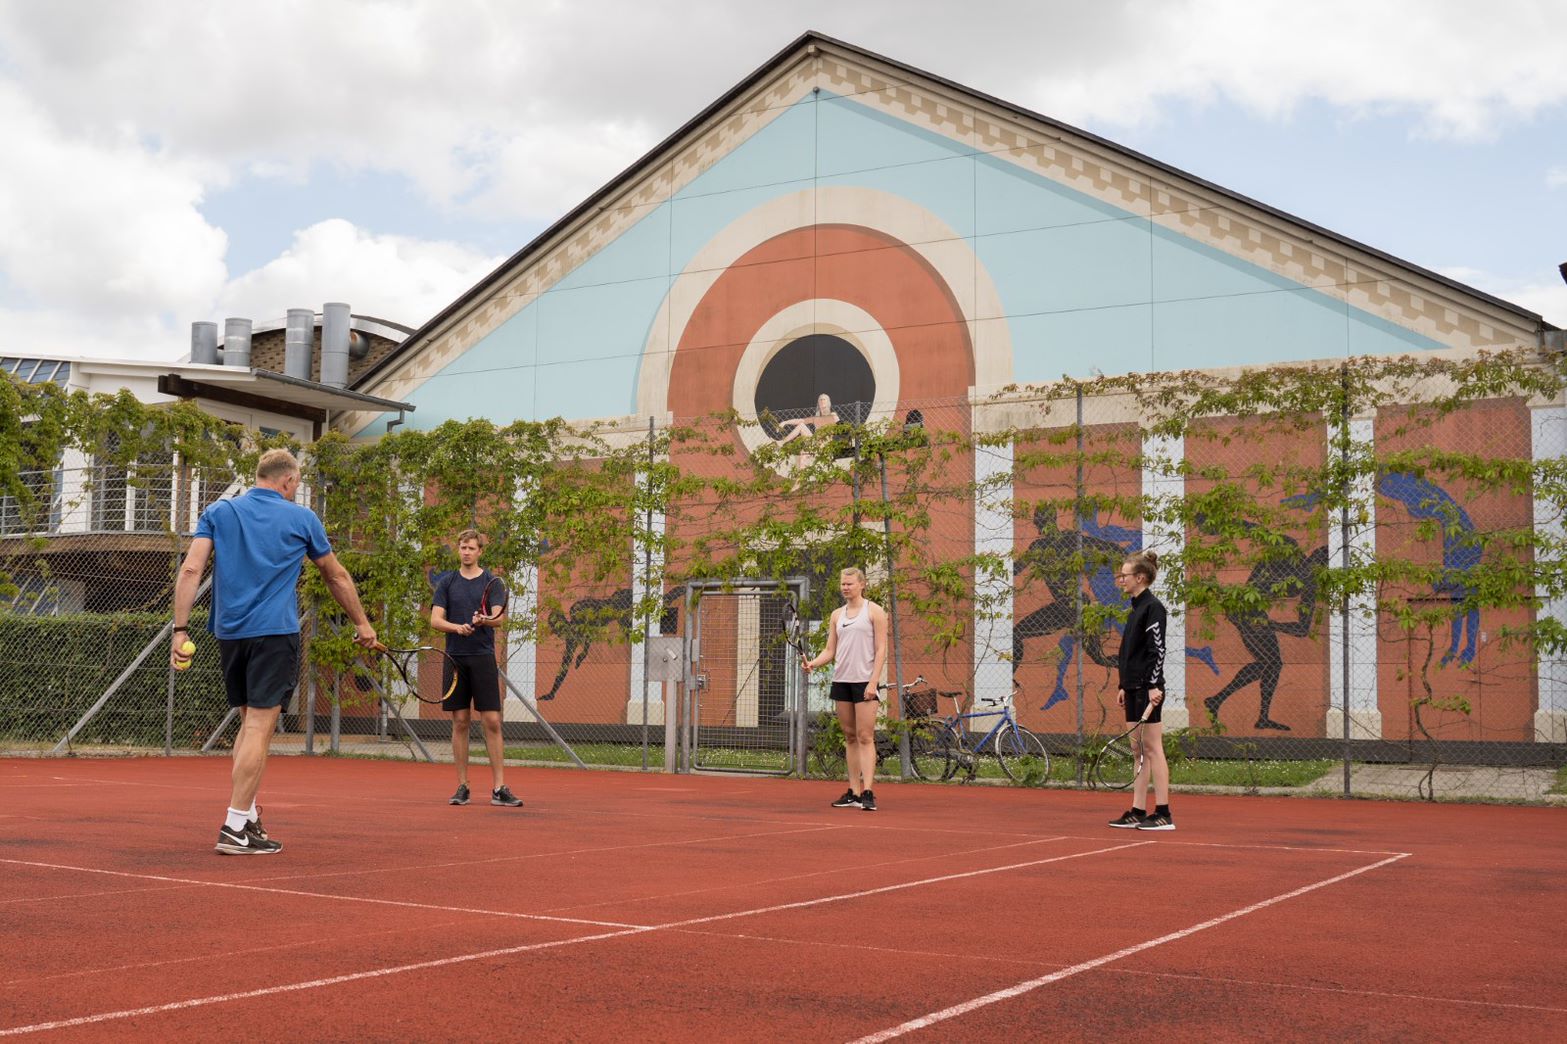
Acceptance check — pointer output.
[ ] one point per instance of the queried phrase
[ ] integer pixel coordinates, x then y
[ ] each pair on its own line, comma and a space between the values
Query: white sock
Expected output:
236, 819
253, 815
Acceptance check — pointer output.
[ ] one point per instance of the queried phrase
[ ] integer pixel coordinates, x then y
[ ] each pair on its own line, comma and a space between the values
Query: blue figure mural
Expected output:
1425, 500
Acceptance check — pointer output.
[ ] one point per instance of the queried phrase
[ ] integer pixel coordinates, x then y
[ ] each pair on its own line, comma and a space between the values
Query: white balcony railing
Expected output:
104, 499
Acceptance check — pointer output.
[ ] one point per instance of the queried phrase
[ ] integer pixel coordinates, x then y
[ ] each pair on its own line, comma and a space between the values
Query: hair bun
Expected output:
1152, 557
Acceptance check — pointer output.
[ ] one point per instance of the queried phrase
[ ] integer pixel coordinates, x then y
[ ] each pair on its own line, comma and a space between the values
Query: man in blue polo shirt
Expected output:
259, 543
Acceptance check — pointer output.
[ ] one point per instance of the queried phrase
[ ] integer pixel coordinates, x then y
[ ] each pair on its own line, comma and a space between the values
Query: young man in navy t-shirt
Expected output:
460, 611
258, 543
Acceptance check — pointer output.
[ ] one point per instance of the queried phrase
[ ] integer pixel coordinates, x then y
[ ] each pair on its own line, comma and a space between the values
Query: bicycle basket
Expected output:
919, 704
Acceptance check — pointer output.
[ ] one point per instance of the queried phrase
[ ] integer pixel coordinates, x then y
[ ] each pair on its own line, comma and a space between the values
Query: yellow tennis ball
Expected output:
188, 647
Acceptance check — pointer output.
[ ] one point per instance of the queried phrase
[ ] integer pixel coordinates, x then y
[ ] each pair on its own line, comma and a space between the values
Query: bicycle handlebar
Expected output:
919, 679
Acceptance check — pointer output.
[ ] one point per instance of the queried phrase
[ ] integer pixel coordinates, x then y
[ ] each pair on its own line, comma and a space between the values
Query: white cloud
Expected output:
56, 331
392, 277
519, 183
443, 94
1556, 177
521, 105
104, 251
1458, 68
100, 225
121, 117
1548, 299
1545, 297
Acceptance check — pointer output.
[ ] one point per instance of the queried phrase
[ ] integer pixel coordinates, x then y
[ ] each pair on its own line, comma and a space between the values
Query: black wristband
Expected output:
179, 629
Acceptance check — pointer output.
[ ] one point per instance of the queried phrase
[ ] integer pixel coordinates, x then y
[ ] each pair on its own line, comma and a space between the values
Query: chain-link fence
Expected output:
1362, 599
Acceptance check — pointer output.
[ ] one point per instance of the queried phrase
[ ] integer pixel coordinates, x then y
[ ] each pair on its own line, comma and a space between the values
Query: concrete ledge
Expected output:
1550, 726
1363, 724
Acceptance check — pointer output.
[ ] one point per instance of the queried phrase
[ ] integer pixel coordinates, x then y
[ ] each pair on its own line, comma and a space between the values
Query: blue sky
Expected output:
174, 160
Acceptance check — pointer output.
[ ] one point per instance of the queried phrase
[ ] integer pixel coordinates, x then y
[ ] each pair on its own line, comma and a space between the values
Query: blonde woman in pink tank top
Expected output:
857, 649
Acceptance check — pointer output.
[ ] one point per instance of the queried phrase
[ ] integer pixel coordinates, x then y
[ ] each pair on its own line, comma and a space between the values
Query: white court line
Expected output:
312, 801
547, 855
1077, 969
758, 882
257, 882
224, 955
294, 987
1424, 998
267, 991
323, 895
947, 955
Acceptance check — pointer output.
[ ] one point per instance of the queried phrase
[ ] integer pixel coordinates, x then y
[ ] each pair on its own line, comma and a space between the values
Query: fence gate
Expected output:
744, 689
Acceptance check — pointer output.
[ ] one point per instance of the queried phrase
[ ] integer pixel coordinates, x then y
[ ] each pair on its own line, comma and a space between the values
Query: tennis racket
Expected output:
794, 628
1117, 763
406, 662
493, 601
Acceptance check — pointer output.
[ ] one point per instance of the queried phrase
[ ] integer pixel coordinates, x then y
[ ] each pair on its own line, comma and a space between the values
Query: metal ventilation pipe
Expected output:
204, 343
236, 343
334, 345
299, 342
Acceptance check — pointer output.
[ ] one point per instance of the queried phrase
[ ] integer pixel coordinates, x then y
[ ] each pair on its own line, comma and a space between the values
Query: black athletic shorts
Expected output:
260, 672
478, 683
851, 692
1136, 700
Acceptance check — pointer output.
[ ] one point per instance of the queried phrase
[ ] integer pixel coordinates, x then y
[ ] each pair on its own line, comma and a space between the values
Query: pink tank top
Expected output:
856, 656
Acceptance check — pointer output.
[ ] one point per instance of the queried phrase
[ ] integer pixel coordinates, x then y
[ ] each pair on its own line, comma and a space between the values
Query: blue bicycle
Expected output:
951, 745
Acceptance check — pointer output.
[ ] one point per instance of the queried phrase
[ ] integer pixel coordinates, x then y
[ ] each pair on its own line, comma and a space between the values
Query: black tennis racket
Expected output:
1117, 763
406, 662
492, 602
794, 629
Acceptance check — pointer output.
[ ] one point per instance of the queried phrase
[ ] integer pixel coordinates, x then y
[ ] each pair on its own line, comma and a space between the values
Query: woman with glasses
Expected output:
1142, 686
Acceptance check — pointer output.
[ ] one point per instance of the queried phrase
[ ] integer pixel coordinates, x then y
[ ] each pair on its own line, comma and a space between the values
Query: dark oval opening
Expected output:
816, 364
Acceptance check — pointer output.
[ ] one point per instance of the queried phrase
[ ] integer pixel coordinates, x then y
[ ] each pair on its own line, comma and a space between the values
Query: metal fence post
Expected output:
310, 688
905, 768
1077, 590
1344, 558
647, 579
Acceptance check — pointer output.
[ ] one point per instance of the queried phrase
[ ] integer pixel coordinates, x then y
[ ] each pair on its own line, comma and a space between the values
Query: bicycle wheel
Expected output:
1115, 766
1021, 754
930, 753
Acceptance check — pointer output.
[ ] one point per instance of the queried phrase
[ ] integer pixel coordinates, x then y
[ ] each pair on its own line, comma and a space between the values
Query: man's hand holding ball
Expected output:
183, 656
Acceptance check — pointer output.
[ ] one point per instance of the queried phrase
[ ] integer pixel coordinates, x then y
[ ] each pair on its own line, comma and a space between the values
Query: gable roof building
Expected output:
956, 242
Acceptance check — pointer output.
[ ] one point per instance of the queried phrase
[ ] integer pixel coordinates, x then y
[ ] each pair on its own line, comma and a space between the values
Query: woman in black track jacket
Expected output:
1142, 689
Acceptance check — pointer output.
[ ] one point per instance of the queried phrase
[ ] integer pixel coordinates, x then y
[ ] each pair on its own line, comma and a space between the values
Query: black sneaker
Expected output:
1157, 821
255, 827
461, 797
868, 801
1130, 819
849, 800
243, 842
503, 796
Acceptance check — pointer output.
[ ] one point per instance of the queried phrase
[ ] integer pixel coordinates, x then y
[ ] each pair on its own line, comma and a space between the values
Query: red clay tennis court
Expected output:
621, 906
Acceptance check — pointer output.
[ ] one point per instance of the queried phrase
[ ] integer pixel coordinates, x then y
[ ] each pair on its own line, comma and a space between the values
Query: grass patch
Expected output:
1249, 773
629, 755
1063, 768
1560, 786
623, 755
1192, 773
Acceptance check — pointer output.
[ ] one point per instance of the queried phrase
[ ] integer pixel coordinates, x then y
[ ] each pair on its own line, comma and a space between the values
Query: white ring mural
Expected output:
817, 316
949, 255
